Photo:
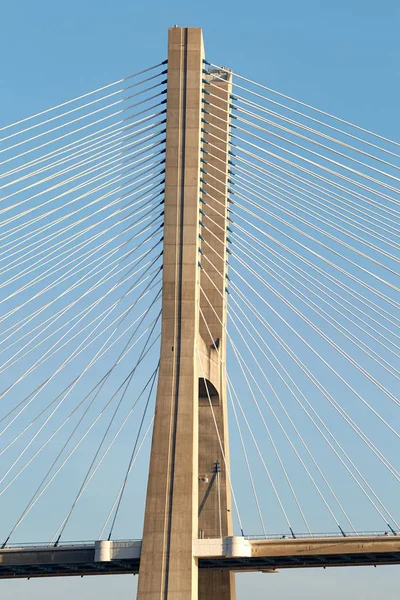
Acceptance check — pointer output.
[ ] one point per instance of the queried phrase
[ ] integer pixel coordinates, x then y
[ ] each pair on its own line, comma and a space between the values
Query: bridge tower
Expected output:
188, 494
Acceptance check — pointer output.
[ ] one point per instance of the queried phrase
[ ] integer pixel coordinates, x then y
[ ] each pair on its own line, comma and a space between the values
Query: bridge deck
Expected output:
236, 554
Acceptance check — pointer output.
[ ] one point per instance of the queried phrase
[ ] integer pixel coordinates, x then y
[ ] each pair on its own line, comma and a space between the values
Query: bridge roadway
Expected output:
235, 553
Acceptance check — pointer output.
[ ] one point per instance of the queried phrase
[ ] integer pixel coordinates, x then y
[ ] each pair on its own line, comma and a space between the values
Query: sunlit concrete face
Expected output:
185, 439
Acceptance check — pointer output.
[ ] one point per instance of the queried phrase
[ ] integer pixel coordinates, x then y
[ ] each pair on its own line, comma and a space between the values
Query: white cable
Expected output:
301, 204
223, 365
14, 358
314, 175
326, 395
311, 162
145, 188
227, 471
89, 147
322, 287
296, 165
106, 312
322, 390
128, 276
82, 106
145, 180
274, 165
247, 461
372, 447
71, 272
27, 427
294, 427
238, 356
317, 241
262, 460
87, 479
77, 351
244, 188
102, 381
79, 97
41, 428
87, 141
358, 431
85, 116
109, 274
283, 196
119, 146
82, 315
132, 465
326, 363
21, 260
33, 501
357, 215
146, 192
304, 159
294, 133
348, 202
107, 168
67, 254
366, 374
48, 441
316, 143
68, 112
362, 299
121, 121
23, 321
97, 356
229, 386
144, 196
250, 248
338, 408
296, 241
313, 108
37, 495
282, 117
248, 189
334, 324
278, 455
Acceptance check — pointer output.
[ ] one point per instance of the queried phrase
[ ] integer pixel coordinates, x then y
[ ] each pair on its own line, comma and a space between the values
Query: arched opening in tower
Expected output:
207, 389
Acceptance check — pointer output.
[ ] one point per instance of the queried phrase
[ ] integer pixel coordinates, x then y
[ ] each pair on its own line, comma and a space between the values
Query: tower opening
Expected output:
206, 386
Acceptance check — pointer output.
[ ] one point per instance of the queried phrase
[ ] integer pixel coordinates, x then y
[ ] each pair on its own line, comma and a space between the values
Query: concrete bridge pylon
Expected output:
188, 494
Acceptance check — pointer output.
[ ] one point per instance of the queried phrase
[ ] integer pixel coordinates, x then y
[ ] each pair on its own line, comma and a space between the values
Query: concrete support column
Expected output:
215, 507
185, 441
167, 567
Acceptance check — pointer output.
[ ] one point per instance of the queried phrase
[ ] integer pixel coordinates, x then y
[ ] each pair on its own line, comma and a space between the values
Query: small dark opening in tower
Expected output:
204, 386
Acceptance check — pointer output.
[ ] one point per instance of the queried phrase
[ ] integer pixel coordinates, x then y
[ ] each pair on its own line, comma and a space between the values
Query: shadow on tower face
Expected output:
204, 387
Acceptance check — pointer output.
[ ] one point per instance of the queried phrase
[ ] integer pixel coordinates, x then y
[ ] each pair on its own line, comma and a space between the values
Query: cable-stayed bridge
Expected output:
187, 252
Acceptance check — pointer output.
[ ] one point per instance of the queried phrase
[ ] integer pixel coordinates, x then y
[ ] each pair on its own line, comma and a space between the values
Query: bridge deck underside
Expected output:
261, 563
70, 569
81, 563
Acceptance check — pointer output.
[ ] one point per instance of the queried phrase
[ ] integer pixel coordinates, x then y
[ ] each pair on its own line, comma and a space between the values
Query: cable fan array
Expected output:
81, 236
312, 296
312, 365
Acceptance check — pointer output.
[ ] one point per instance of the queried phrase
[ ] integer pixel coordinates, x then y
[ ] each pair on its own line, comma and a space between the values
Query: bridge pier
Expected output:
185, 444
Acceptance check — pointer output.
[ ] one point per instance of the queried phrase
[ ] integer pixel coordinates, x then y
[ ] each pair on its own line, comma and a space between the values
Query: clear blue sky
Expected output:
342, 56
